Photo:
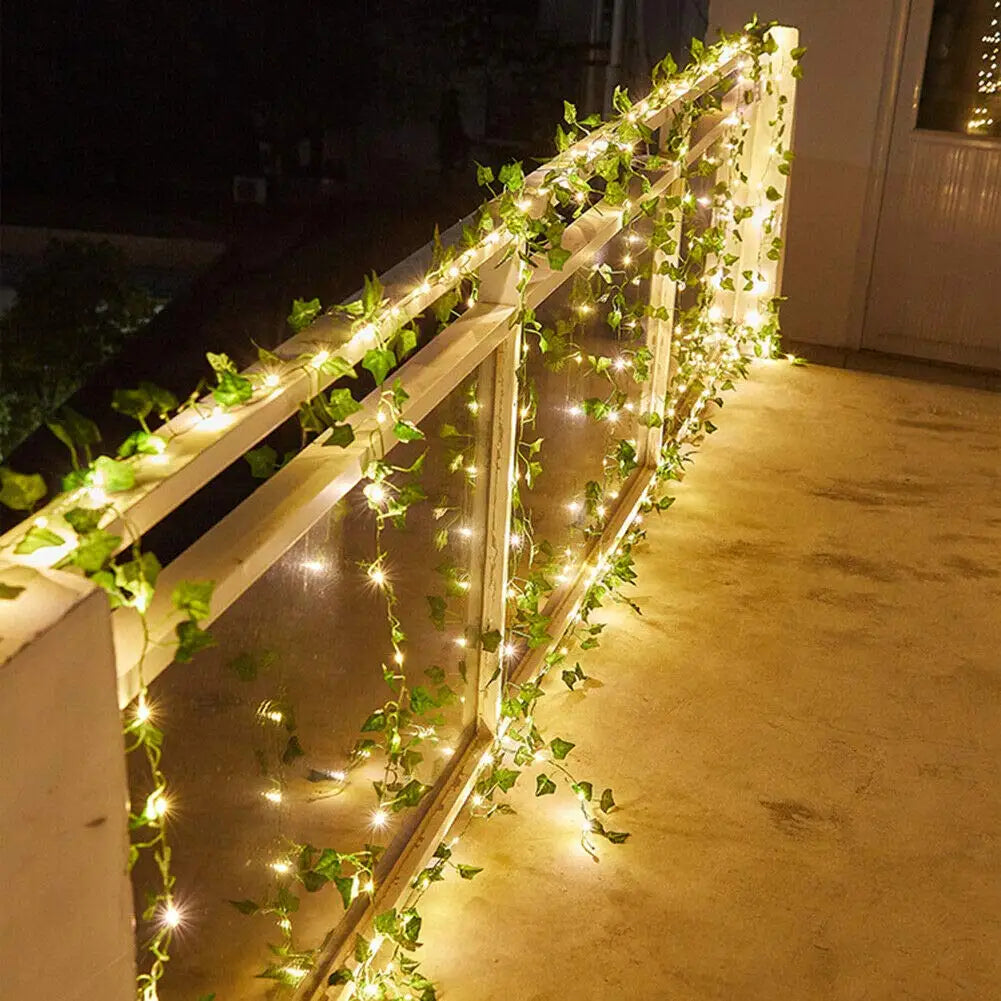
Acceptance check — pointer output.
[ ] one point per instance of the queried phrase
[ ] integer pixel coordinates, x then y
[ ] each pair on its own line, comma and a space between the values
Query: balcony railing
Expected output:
552, 404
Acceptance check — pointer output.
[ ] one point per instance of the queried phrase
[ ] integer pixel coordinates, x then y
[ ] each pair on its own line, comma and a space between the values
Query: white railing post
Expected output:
499, 283
762, 157
66, 925
660, 331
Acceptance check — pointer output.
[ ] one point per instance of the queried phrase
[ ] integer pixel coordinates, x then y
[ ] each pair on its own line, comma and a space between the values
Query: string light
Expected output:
379, 819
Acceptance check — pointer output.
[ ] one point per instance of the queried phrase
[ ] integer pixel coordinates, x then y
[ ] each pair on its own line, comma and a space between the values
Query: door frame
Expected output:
900, 17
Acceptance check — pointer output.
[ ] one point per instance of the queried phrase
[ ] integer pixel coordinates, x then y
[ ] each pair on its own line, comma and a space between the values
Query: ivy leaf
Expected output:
617, 837
407, 431
773, 194
37, 538
303, 313
20, 491
190, 639
469, 871
75, 431
484, 175
245, 906
132, 402
293, 750
338, 367
379, 361
407, 341
141, 443
512, 176
375, 723
232, 389
569, 113
93, 551
193, 597
544, 786
8, 592
262, 461
607, 801
490, 641
115, 476
583, 791
340, 404
438, 606
561, 748
340, 434
558, 256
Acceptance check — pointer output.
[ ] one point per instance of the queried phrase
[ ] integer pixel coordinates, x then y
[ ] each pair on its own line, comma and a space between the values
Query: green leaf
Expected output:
512, 176
293, 750
340, 404
132, 402
438, 606
607, 801
190, 639
8, 592
379, 361
583, 791
303, 313
245, 906
375, 723
93, 551
569, 113
37, 538
544, 785
468, 871
491, 640
773, 194
193, 597
484, 175
617, 837
141, 443
220, 363
406, 341
232, 389
262, 461
558, 256
407, 431
340, 434
114, 476
20, 491
561, 748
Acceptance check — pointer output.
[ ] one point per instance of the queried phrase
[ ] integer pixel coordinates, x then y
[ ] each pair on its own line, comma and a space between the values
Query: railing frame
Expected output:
243, 545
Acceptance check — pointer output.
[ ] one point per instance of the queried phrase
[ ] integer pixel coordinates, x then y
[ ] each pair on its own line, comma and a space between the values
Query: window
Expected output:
961, 89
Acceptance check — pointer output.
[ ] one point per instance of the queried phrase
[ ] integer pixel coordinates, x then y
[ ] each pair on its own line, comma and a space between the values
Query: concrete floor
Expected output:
803, 730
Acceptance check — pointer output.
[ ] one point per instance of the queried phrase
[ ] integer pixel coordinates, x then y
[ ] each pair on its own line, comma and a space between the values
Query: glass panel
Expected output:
961, 89
259, 730
586, 386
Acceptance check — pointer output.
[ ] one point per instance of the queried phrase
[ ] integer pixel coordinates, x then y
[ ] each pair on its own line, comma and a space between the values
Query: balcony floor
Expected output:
803, 730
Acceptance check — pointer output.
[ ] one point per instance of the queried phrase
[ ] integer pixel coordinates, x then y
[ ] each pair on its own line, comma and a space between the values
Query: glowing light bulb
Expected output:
375, 492
273, 795
619, 364
282, 868
379, 819
447, 751
275, 716
377, 576
466, 532
143, 710
171, 916
471, 470
508, 650
612, 416
627, 260
474, 406
398, 657
574, 507
460, 641
161, 805
319, 358
271, 380
296, 972
477, 799
369, 886
313, 566
463, 585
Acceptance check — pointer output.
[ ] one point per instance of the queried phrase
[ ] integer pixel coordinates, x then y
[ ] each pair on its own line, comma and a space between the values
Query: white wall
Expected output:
836, 129
66, 917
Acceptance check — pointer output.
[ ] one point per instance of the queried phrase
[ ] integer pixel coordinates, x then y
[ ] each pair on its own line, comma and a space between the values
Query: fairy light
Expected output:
143, 710
282, 868
160, 805
515, 540
375, 492
474, 406
171, 916
313, 566
319, 359
377, 575
272, 795
461, 641
465, 531
379, 819
398, 657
